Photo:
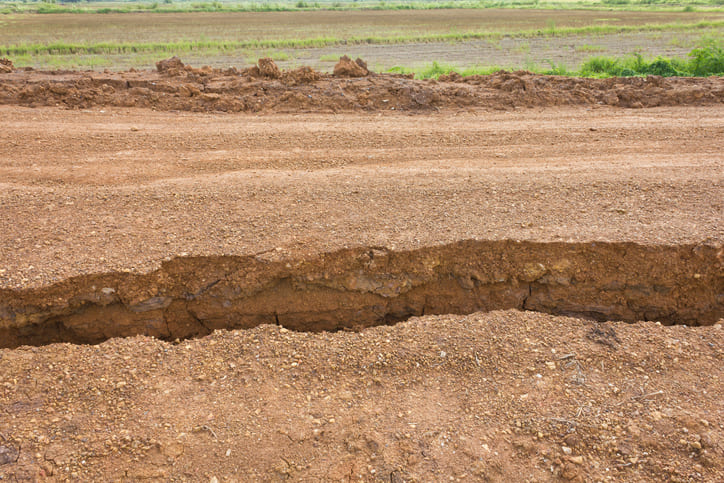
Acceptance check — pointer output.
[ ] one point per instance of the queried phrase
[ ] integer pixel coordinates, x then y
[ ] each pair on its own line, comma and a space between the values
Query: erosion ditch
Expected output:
362, 287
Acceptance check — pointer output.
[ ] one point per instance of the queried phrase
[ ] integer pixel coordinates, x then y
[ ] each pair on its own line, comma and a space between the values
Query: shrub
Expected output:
661, 67
600, 65
707, 59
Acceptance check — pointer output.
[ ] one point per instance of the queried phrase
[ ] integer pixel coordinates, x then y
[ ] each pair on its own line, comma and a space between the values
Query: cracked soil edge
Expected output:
363, 287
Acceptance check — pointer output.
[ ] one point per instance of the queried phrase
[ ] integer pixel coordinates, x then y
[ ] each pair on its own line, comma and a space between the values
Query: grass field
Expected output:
463, 37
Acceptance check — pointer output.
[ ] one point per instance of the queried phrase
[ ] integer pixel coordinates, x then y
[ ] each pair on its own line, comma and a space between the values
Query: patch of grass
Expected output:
276, 55
436, 69
589, 48
705, 60
329, 58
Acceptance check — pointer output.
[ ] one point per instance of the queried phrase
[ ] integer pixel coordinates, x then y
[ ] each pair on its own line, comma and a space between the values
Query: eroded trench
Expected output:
363, 287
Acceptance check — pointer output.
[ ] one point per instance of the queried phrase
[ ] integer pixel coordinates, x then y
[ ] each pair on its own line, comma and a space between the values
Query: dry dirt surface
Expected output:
502, 396
512, 284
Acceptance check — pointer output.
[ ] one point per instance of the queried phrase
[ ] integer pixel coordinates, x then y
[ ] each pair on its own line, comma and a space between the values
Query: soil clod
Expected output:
348, 68
6, 66
171, 67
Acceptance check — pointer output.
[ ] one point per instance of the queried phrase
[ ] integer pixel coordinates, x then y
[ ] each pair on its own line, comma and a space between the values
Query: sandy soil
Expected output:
133, 187
497, 396
504, 396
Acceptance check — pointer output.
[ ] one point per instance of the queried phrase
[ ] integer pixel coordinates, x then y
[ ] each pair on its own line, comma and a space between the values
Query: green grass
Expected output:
179, 47
329, 58
705, 60
276, 55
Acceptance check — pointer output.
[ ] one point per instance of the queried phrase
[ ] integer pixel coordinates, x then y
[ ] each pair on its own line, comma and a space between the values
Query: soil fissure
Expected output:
356, 288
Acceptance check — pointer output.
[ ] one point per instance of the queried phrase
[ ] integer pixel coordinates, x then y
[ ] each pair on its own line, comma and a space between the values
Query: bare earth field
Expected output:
384, 38
238, 248
161, 27
508, 52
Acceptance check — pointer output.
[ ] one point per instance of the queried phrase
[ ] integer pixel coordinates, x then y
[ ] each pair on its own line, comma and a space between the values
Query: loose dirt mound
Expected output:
267, 68
172, 66
6, 66
347, 68
302, 75
264, 88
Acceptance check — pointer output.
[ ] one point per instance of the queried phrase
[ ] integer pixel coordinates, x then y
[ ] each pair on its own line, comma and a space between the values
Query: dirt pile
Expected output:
267, 68
301, 75
264, 88
171, 67
347, 68
6, 66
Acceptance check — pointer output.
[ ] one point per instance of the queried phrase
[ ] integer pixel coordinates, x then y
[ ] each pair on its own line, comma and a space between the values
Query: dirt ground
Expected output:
173, 27
502, 396
90, 188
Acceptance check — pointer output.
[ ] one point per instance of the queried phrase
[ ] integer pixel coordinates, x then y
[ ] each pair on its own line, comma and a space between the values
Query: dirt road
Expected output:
177, 223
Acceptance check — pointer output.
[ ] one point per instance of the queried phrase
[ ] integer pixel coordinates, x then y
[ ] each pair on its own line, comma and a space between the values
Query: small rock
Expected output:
8, 454
569, 472
532, 272
566, 449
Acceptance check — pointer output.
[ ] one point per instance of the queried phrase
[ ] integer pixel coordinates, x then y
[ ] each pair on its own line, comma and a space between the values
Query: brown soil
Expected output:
264, 88
354, 289
6, 66
128, 221
489, 397
348, 68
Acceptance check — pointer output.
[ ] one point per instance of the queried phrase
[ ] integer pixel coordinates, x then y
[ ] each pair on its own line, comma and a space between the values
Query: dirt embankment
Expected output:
357, 288
265, 88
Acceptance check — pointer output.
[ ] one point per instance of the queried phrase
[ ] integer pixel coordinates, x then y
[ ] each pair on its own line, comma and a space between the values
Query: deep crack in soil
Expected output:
363, 287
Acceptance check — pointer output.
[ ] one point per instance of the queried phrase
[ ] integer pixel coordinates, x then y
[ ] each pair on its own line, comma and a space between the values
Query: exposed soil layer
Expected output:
251, 90
358, 288
502, 396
